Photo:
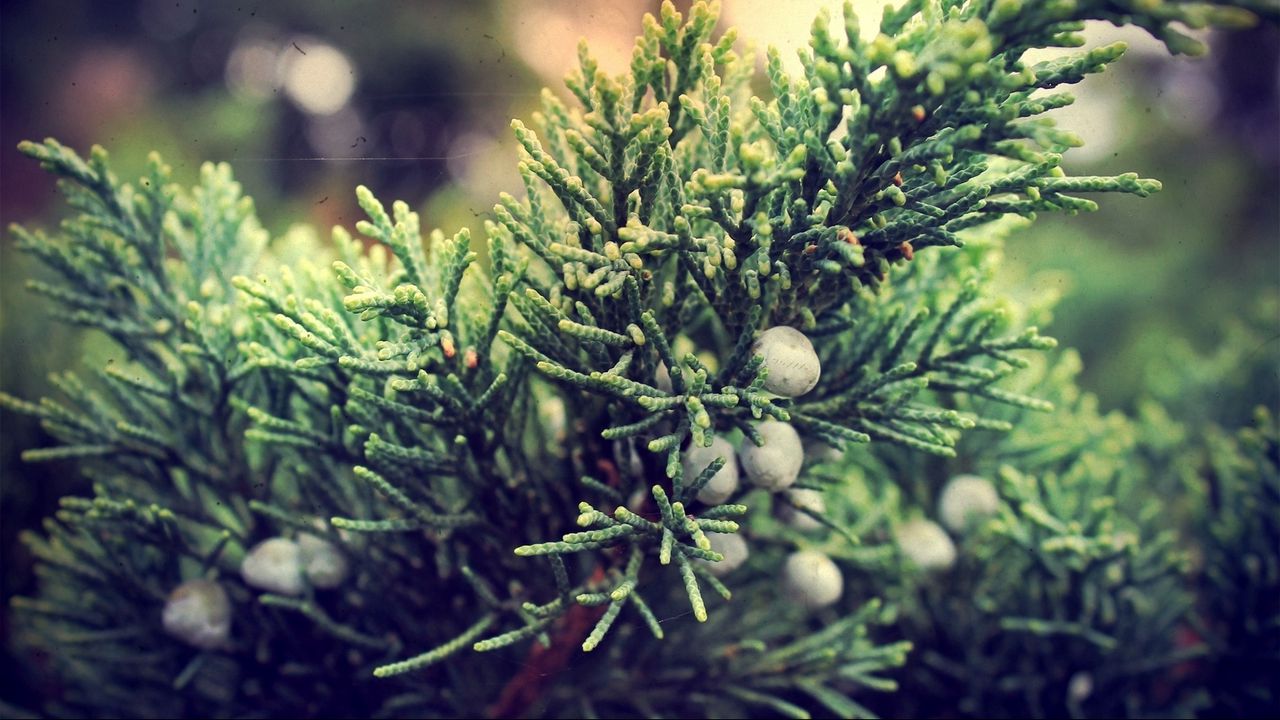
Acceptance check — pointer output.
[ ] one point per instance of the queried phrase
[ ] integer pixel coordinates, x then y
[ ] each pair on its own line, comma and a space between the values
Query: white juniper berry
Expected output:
198, 613
926, 544
966, 500
725, 482
324, 563
790, 359
776, 465
811, 579
798, 500
1079, 687
734, 549
274, 565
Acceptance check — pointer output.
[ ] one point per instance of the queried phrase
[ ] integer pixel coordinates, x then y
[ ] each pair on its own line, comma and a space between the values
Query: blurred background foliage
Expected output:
1173, 299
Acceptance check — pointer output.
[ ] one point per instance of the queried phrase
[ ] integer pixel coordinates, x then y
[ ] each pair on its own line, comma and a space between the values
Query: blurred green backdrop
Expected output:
1176, 297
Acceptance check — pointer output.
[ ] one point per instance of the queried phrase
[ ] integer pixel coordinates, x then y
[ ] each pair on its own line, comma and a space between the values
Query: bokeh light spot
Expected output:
318, 77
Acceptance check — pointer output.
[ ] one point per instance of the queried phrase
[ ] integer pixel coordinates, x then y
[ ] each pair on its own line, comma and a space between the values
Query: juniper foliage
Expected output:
491, 428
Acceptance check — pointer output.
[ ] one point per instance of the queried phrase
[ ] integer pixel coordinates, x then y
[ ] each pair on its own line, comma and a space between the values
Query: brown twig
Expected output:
544, 663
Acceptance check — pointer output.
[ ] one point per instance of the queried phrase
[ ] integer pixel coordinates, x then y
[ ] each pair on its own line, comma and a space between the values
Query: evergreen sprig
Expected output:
422, 411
